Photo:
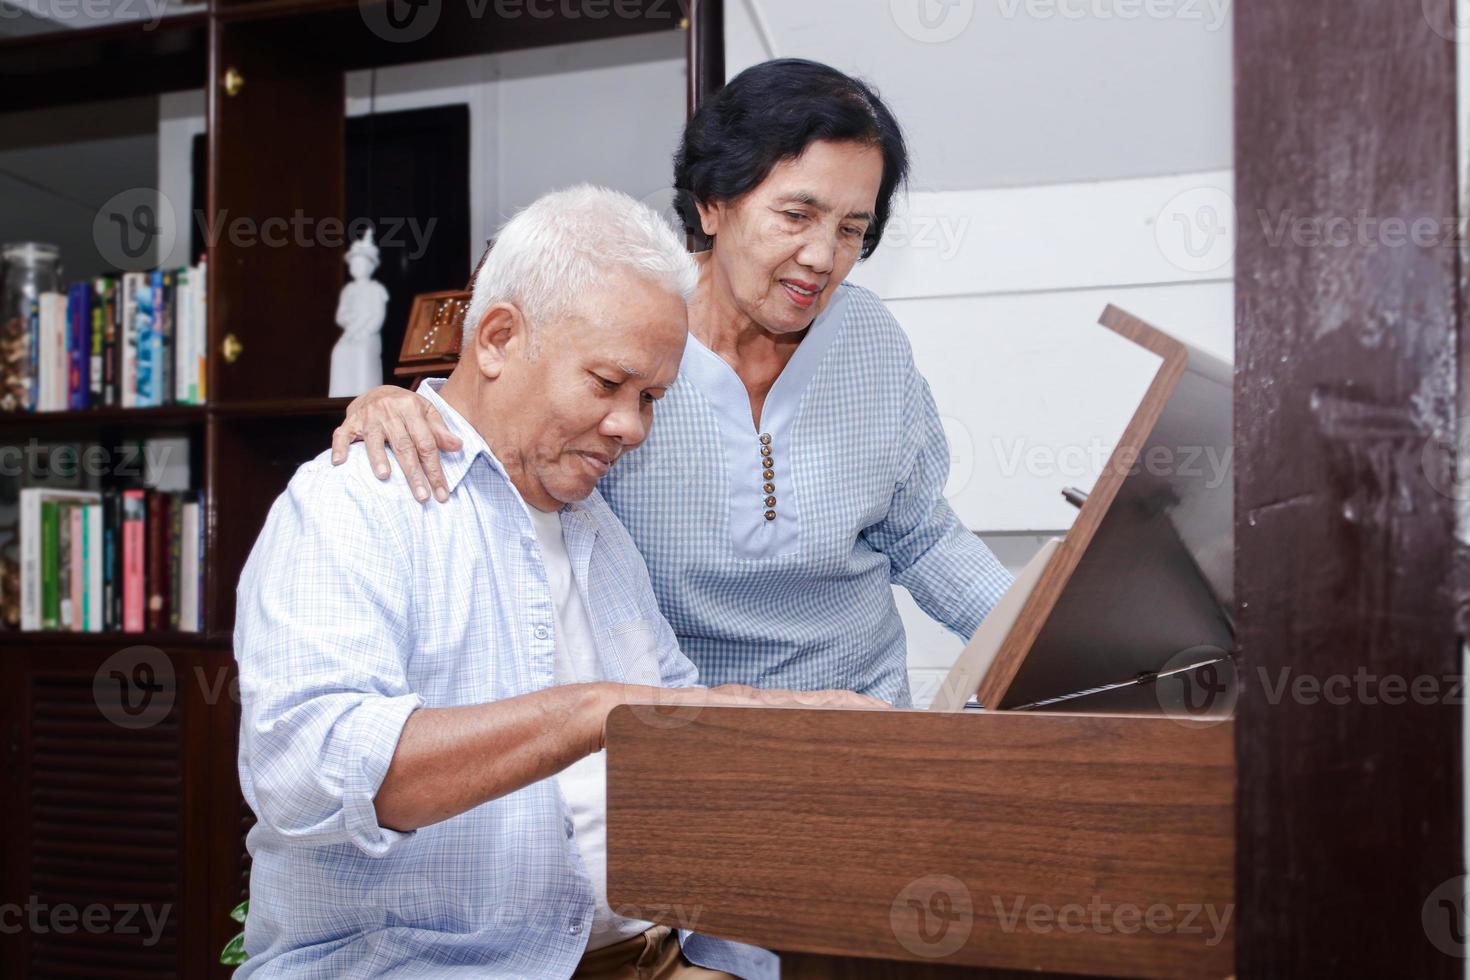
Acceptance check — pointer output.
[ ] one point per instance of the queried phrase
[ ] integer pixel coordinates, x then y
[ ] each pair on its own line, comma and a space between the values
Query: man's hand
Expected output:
780, 698
407, 424
734, 696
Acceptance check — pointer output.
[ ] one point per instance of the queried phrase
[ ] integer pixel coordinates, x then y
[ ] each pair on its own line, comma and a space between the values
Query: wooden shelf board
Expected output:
17, 639
280, 408
167, 416
140, 57
45, 423
338, 29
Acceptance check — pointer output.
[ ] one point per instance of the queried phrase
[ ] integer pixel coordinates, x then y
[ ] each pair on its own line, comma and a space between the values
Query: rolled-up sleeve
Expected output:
323, 638
951, 573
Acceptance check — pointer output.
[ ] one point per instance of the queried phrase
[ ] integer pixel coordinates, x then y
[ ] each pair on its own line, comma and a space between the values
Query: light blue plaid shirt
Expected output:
359, 605
805, 601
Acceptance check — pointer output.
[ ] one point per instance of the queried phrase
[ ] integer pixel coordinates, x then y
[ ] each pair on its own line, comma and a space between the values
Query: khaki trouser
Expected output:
652, 955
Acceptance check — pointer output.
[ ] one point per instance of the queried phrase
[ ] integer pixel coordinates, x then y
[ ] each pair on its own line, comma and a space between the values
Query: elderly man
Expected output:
425, 689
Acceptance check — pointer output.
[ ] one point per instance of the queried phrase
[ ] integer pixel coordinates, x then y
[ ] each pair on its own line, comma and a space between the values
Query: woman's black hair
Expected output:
772, 112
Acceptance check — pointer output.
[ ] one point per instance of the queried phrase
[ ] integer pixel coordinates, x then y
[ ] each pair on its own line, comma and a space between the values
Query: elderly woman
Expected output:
798, 465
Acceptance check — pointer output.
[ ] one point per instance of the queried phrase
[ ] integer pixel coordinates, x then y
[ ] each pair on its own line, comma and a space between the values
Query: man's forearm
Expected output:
450, 760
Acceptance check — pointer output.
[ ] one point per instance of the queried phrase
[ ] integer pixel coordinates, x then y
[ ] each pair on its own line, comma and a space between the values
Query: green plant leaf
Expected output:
239, 912
234, 952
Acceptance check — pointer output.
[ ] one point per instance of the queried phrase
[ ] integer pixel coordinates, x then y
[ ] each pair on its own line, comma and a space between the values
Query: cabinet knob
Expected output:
234, 81
231, 348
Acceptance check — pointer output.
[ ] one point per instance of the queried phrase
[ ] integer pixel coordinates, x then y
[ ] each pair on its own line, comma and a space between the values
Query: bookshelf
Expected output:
103, 811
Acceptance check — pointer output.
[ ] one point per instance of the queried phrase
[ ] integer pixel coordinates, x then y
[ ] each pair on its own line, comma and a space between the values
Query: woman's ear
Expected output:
709, 217
501, 329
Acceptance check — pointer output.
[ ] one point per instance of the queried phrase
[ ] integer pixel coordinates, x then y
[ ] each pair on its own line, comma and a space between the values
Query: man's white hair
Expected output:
570, 241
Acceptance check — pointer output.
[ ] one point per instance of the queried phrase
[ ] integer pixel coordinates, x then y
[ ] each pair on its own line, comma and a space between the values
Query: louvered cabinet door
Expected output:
109, 833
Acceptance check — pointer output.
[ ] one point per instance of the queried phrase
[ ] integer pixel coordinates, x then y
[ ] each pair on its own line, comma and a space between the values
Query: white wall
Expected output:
1005, 93
604, 111
1066, 154
1002, 308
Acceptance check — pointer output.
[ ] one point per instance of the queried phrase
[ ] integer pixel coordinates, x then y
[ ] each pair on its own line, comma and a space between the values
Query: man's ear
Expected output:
502, 331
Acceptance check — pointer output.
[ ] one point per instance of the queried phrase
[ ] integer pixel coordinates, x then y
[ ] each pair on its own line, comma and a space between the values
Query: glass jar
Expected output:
30, 269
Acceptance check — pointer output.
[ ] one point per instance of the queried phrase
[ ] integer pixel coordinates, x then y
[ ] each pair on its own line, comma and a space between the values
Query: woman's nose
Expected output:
816, 254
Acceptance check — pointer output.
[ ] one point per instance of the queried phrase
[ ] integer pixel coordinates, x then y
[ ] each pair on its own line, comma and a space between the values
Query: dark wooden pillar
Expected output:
1347, 317
706, 49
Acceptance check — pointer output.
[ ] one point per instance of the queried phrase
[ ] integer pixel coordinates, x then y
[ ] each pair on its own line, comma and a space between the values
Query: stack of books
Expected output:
127, 560
134, 341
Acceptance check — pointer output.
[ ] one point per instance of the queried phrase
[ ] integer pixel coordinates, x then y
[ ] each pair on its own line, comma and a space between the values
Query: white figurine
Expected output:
357, 358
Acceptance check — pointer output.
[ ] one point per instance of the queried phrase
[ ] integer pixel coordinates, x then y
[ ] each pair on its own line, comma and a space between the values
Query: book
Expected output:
52, 360
103, 289
191, 544
175, 557
132, 341
127, 325
77, 567
33, 354
186, 350
93, 559
135, 517
164, 335
144, 329
155, 571
50, 565
78, 345
63, 564
111, 566
200, 332
117, 559
38, 559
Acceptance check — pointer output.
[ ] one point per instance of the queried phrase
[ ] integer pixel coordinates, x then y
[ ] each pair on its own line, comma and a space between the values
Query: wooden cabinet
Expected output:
114, 800
115, 751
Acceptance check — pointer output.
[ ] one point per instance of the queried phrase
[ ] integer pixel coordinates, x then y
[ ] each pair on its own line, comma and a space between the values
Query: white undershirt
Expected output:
584, 782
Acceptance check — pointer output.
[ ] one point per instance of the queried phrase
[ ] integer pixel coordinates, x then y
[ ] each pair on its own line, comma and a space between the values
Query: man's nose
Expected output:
625, 425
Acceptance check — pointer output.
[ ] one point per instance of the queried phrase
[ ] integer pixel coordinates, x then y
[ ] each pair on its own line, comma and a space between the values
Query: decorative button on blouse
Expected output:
768, 474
